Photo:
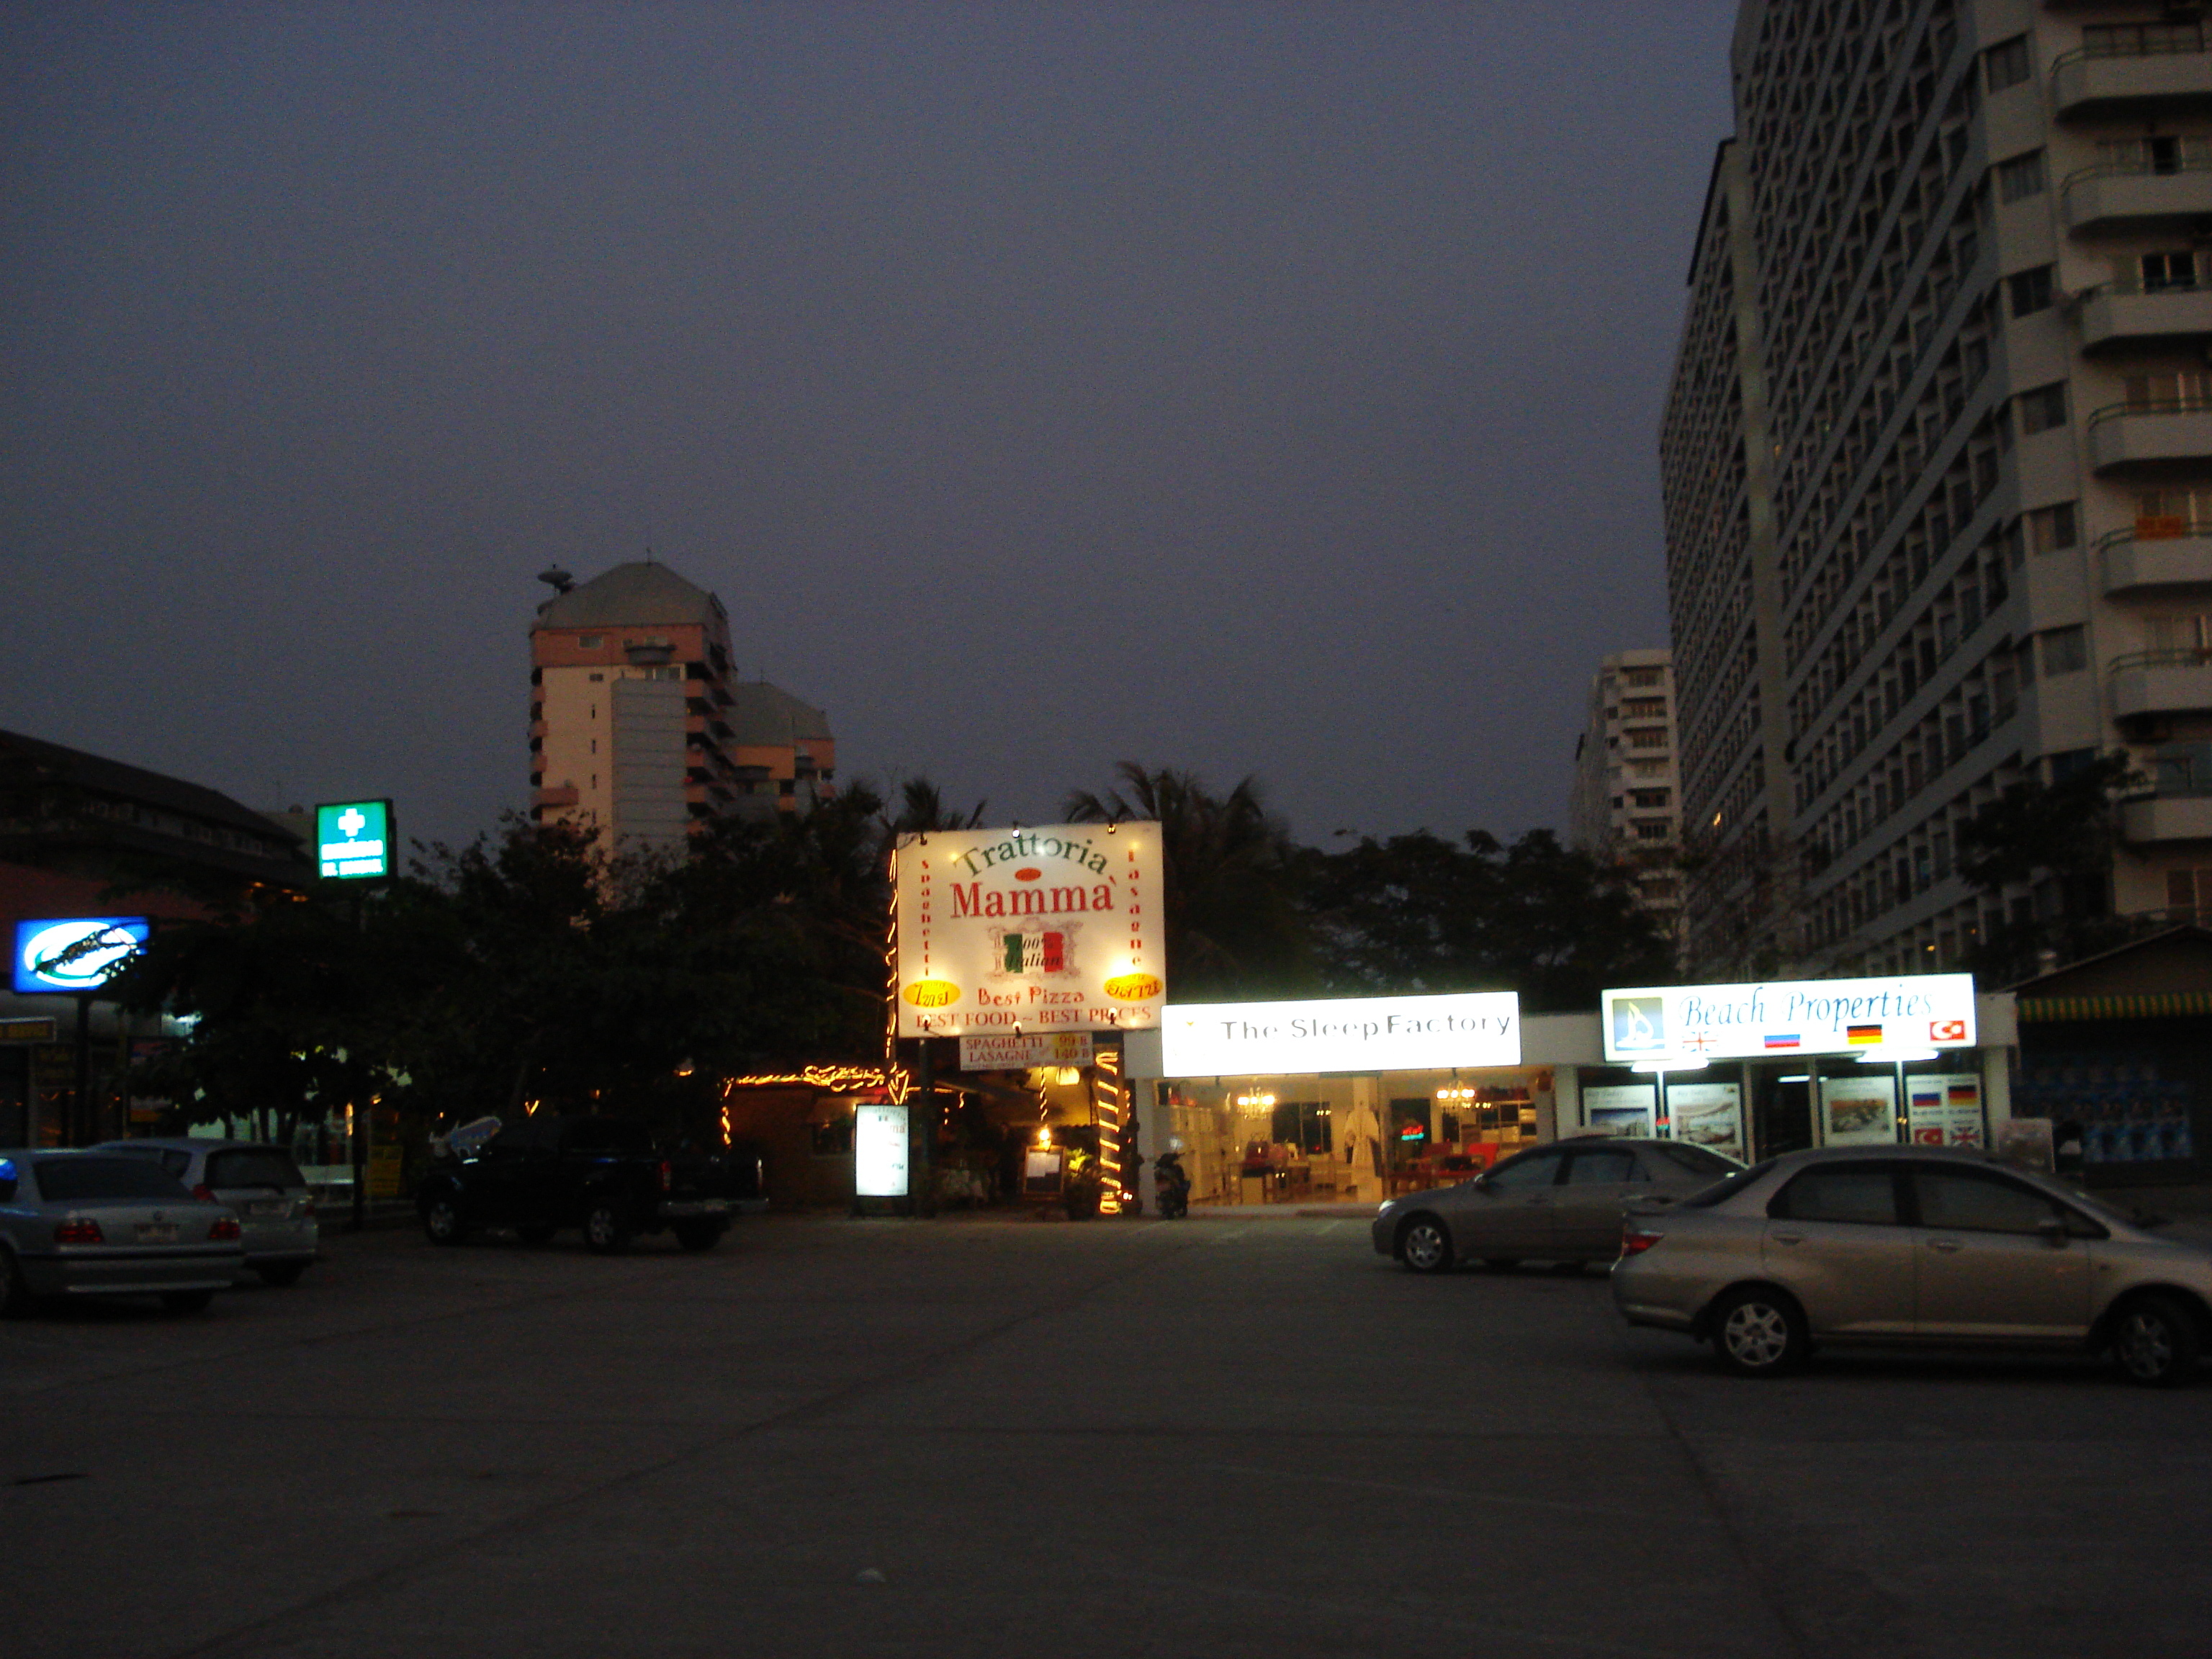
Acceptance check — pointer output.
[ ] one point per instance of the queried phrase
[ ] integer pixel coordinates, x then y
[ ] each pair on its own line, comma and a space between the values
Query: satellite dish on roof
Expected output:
556, 578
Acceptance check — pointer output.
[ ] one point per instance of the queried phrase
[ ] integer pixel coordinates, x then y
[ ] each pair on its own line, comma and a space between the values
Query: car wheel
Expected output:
1501, 1264
281, 1273
186, 1302
699, 1235
442, 1220
535, 1235
1759, 1333
2155, 1342
605, 1231
1424, 1245
16, 1301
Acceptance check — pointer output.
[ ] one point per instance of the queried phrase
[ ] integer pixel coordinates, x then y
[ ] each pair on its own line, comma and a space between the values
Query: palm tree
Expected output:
1232, 925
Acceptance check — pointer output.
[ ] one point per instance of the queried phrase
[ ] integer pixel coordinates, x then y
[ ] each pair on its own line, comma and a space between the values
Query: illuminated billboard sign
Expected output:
354, 840
1020, 932
1689, 1024
879, 1151
1342, 1033
77, 954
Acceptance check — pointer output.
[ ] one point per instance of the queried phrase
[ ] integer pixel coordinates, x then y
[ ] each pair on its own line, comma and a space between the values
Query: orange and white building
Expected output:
639, 724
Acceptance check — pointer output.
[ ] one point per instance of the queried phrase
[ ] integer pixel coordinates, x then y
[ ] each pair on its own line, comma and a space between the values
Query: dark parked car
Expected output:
602, 1175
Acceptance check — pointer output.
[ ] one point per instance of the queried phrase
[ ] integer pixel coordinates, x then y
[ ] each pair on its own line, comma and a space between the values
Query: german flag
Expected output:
1865, 1034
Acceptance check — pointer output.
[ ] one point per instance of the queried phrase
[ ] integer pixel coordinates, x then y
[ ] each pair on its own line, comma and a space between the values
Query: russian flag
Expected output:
1781, 1040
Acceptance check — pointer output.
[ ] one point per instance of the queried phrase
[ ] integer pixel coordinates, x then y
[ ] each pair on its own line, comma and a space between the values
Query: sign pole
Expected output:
80, 1128
924, 1199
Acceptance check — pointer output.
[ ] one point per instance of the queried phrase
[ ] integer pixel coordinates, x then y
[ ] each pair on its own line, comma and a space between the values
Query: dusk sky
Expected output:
1261, 388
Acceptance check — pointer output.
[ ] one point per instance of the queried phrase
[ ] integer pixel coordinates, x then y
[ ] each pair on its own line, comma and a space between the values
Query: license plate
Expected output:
268, 1206
157, 1232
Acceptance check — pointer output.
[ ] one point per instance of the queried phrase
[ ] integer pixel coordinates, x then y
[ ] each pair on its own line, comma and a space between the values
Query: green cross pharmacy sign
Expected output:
353, 840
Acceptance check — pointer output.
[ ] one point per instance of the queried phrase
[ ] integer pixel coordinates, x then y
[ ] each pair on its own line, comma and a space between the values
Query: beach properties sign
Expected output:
1006, 932
1693, 1024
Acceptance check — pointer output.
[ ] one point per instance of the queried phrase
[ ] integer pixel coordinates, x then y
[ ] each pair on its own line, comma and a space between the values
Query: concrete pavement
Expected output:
973, 1437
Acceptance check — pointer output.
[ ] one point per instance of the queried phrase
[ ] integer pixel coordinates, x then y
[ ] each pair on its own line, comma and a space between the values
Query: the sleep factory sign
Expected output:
1056, 928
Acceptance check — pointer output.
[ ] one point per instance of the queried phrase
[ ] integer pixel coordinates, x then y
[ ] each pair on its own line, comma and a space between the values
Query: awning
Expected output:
2152, 1004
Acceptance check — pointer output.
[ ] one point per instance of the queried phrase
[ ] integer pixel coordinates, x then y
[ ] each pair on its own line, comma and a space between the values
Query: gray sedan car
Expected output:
1915, 1245
77, 1223
1557, 1203
261, 1184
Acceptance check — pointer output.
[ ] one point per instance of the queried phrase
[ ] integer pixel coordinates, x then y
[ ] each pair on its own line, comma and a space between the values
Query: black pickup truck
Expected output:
603, 1175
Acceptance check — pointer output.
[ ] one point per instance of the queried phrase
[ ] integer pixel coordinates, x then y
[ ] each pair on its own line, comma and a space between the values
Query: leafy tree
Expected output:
2063, 832
1232, 925
1419, 914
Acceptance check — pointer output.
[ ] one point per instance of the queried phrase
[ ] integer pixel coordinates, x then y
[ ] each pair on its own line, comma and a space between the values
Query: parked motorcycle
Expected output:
1172, 1185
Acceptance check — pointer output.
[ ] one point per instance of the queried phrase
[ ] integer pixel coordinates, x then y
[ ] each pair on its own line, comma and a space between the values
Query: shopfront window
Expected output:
1276, 1139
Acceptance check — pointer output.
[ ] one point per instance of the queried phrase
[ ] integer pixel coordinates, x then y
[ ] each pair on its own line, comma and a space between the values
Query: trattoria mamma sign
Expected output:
1696, 1022
1056, 928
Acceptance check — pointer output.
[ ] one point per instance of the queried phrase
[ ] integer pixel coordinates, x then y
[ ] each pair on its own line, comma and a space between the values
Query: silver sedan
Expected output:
260, 1183
1915, 1245
77, 1223
1557, 1203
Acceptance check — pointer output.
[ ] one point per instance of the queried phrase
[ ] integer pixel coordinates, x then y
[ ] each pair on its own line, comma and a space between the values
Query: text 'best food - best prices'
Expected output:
1052, 928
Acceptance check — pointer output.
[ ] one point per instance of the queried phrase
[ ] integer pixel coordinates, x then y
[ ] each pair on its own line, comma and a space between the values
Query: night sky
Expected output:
1253, 388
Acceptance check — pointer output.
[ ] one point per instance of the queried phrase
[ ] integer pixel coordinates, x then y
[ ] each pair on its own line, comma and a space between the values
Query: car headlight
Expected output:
1383, 1208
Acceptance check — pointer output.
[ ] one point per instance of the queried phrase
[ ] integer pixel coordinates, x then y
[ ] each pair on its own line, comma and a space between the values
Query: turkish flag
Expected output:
1947, 1031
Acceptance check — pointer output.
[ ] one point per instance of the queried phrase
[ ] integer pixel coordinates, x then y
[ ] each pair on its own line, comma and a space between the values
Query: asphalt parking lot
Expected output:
1214, 1437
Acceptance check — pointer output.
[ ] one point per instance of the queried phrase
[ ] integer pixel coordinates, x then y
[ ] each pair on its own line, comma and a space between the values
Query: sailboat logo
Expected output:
1639, 1025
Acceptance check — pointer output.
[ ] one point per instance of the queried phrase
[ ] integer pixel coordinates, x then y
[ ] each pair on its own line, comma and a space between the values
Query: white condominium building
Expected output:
1626, 806
1938, 464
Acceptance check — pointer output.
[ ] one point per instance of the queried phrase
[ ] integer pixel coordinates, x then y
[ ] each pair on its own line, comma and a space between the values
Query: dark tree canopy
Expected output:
1421, 913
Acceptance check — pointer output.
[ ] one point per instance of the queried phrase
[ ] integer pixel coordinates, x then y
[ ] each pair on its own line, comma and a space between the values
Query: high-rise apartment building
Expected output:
1938, 464
639, 724
1626, 806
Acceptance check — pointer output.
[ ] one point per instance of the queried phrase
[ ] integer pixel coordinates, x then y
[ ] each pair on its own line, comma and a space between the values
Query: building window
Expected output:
2008, 62
2042, 409
590, 641
2020, 178
2185, 635
1650, 829
2065, 651
1643, 707
2141, 39
1649, 797
1642, 675
1648, 737
2167, 273
2070, 763
2180, 390
2051, 528
2030, 291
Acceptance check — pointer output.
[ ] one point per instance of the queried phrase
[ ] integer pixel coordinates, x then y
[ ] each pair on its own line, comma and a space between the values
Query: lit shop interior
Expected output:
1285, 1138
1763, 1108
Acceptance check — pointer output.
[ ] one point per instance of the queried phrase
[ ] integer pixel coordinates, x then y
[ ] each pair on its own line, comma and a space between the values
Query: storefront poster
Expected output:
1858, 1111
1944, 1109
1624, 1108
1018, 931
1709, 1114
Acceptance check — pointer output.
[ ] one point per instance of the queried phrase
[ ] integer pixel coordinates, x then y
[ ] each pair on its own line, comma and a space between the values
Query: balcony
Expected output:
2126, 314
2162, 683
2150, 435
2129, 196
2164, 817
2156, 553
2164, 71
